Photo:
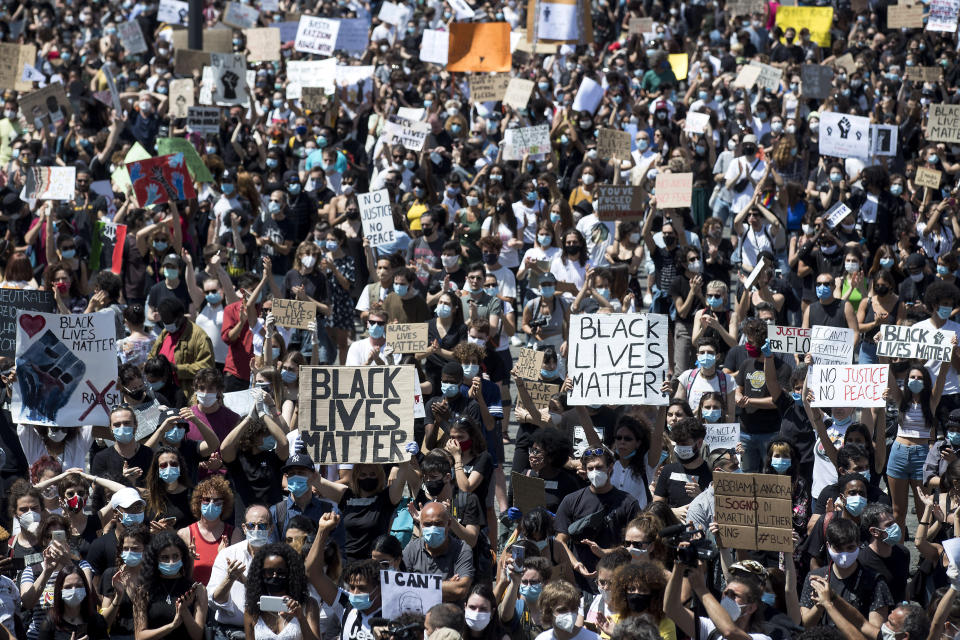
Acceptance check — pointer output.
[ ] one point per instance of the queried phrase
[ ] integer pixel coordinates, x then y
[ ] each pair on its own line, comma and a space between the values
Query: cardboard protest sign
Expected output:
928, 178
520, 42
848, 385
795, 340
923, 74
161, 179
816, 81
836, 213
747, 77
526, 141
317, 35
203, 120
754, 511
696, 122
832, 345
529, 493
613, 143
434, 45
195, 165
66, 368
409, 592
186, 60
637, 26
817, 19
376, 215
229, 73
541, 393
263, 44
356, 414
46, 107
846, 62
13, 301
240, 16
844, 136
528, 364
905, 16
943, 15
131, 37
311, 73
294, 313
407, 133
943, 123
407, 337
745, 7
674, 190
924, 343
618, 358
181, 97
518, 93
106, 250
619, 202
313, 98
49, 183
11, 67
488, 87
479, 46
173, 12
353, 35
216, 40
884, 139
589, 96
769, 77
722, 435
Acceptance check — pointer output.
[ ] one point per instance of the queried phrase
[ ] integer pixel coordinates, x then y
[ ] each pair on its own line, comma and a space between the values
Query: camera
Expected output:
412, 631
700, 547
539, 322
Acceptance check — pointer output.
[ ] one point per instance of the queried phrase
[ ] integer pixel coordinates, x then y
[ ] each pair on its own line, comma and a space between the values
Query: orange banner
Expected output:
479, 46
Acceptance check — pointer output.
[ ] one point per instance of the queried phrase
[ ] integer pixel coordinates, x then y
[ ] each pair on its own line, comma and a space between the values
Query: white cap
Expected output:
126, 498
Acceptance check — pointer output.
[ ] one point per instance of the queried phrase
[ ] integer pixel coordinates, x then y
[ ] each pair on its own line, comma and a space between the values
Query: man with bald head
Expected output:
437, 552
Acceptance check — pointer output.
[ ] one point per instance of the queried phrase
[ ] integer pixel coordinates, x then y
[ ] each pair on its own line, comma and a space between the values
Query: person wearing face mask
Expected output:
743, 173
883, 307
706, 376
127, 511
210, 503
941, 300
73, 610
520, 605
183, 343
173, 284
168, 488
217, 293
438, 552
941, 452
829, 310
559, 609
638, 589
127, 458
583, 534
119, 583
858, 585
405, 303
913, 287
481, 615
168, 573
883, 552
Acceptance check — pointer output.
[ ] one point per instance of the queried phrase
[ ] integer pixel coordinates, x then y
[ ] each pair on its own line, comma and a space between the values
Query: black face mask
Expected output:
275, 584
368, 484
571, 249
434, 487
353, 214
138, 394
881, 289
639, 602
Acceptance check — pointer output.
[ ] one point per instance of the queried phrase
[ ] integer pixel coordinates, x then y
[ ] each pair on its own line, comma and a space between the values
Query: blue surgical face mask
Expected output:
715, 302
68, 254
942, 270
171, 274
132, 558
170, 474
531, 591
289, 377
360, 601
377, 331
824, 291
226, 188
797, 398
944, 312
293, 189
780, 465
434, 536
547, 291
170, 568
845, 422
213, 297
470, 370
156, 386
297, 485
443, 311
896, 189
401, 289
711, 415
554, 217
449, 389
856, 504
886, 263
130, 519
953, 437
707, 360
174, 435
531, 196
211, 511
544, 241
769, 599
915, 385
123, 435
894, 534
603, 292
269, 444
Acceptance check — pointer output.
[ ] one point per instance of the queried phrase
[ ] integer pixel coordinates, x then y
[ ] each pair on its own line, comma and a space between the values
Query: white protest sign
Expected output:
240, 402
463, 10
173, 11
409, 113
526, 141
923, 343
951, 548
310, 73
408, 133
848, 385
269, 5
769, 77
943, 15
722, 435
618, 358
757, 270
419, 409
558, 21
358, 82
240, 16
317, 35
588, 96
66, 368
795, 340
393, 13
836, 213
832, 345
50, 183
229, 77
376, 215
844, 136
434, 46
696, 122
131, 37
518, 93
403, 592
580, 442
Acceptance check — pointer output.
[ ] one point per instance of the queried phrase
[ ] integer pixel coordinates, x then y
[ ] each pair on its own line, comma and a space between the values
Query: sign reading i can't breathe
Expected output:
618, 358
376, 215
357, 414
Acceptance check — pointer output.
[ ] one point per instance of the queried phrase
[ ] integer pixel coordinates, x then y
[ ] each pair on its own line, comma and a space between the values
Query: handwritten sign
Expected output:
541, 393
674, 190
203, 120
310, 73
526, 141
848, 385
722, 435
943, 123
488, 87
131, 37
409, 592
639, 26
696, 122
905, 16
294, 313
943, 15
769, 77
409, 134
407, 338
928, 178
795, 340
66, 368
317, 35
528, 364
832, 345
518, 93
613, 143
922, 74
240, 16
836, 213
923, 343
619, 202
356, 414
618, 358
434, 46
754, 511
173, 11
376, 216
11, 302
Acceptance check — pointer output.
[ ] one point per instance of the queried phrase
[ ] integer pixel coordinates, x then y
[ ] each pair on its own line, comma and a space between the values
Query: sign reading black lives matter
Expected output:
357, 414
923, 343
618, 358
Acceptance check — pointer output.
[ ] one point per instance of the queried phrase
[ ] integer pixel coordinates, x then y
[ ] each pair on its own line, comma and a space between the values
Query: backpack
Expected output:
720, 374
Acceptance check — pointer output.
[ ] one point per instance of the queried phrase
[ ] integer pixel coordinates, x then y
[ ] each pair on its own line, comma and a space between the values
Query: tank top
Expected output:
291, 631
206, 551
829, 315
913, 424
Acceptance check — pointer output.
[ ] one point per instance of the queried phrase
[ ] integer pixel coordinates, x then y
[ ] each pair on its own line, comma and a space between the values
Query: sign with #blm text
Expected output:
12, 301
376, 215
754, 511
407, 338
922, 343
294, 313
356, 415
619, 202
848, 385
66, 368
795, 340
618, 358
409, 592
831, 345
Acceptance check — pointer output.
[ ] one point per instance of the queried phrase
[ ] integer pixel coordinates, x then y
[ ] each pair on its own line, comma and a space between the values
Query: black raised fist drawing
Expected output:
844, 126
229, 80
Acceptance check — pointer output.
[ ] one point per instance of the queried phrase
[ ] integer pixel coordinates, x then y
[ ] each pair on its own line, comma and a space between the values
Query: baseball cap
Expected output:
170, 259
299, 460
126, 498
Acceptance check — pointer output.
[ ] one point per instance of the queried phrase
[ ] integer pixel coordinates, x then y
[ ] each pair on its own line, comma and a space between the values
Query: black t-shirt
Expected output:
680, 288
95, 629
364, 519
795, 424
483, 463
178, 506
108, 463
314, 284
279, 231
103, 552
619, 508
458, 404
466, 507
435, 282
123, 623
238, 263
674, 476
752, 379
160, 291
256, 478
894, 569
863, 589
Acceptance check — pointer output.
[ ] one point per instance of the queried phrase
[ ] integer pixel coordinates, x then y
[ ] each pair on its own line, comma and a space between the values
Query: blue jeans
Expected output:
755, 450
721, 209
868, 353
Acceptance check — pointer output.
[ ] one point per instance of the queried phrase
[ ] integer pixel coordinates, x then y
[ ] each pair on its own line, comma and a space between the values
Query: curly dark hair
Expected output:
296, 576
556, 448
629, 576
139, 531
156, 488
254, 430
151, 559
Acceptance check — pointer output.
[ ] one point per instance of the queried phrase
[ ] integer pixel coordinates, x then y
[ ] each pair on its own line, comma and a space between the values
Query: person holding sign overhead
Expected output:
941, 299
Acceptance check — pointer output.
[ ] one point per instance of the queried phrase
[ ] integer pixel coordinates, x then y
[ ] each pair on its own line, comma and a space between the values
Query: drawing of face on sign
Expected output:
48, 373
411, 603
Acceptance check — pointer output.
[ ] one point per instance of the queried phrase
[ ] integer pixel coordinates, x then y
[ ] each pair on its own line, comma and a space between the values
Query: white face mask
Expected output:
844, 559
57, 435
206, 399
308, 261
477, 620
597, 478
565, 622
733, 609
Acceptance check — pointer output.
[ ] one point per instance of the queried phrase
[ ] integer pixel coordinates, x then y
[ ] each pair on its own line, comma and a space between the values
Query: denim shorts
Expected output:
906, 461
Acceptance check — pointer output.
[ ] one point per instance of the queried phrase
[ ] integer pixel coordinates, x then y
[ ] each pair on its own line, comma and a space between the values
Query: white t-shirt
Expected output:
74, 453
702, 385
707, 627
509, 257
625, 480
824, 473
753, 242
582, 634
742, 166
571, 272
527, 219
359, 351
951, 385
599, 236
210, 319
506, 281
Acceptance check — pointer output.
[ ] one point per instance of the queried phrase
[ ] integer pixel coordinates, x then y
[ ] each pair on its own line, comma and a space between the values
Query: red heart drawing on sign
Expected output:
32, 324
